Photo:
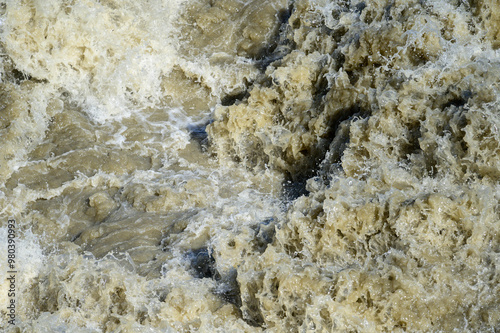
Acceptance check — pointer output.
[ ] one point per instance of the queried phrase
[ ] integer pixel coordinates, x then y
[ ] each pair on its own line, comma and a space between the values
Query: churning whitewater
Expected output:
250, 166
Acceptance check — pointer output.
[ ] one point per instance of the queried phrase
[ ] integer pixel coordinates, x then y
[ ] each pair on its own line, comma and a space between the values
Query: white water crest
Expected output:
249, 166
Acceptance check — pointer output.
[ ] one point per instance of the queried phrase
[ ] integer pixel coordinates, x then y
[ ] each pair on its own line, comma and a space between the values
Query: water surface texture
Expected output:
251, 165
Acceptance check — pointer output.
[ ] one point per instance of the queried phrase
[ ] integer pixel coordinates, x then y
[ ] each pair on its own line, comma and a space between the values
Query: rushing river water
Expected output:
250, 165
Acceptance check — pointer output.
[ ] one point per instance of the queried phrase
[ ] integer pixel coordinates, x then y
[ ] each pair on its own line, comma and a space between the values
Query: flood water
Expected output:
250, 165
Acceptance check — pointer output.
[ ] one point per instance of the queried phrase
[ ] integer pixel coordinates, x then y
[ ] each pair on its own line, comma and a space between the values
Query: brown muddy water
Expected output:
250, 165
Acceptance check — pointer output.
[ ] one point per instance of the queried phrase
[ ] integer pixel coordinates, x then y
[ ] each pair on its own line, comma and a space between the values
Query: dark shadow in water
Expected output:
281, 44
234, 99
358, 8
334, 143
294, 189
202, 263
458, 101
198, 133
228, 288
19, 76
264, 234
203, 266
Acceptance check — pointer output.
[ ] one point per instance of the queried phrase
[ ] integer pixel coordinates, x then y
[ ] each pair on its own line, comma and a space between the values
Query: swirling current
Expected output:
250, 165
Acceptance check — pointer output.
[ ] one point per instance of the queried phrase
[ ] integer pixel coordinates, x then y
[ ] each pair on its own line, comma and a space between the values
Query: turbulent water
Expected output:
250, 165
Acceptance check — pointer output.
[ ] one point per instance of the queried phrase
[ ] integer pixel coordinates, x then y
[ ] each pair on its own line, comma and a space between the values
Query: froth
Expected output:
109, 56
